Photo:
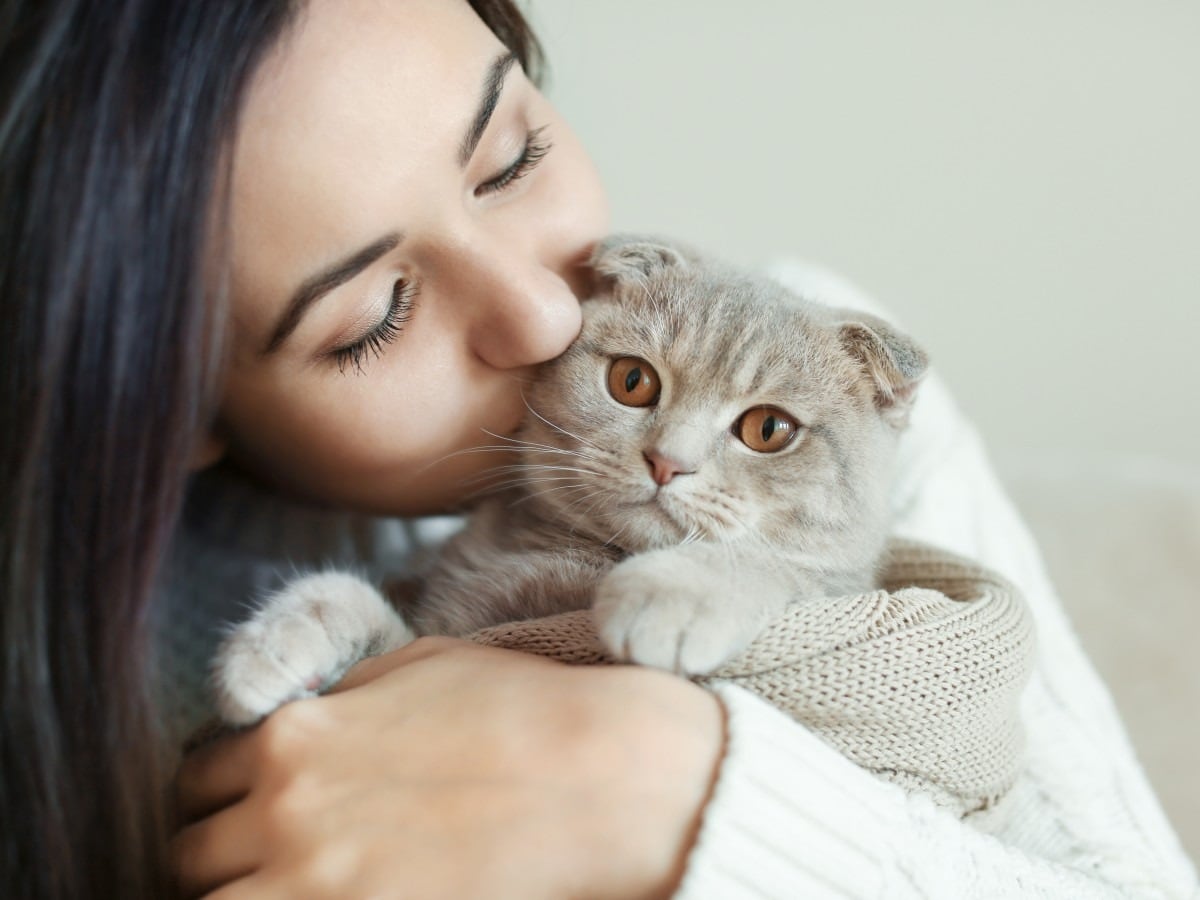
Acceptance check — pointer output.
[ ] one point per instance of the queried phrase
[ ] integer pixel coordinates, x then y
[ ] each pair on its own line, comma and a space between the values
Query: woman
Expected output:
323, 243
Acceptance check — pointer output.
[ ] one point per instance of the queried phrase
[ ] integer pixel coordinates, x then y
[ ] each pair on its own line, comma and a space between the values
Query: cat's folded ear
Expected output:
634, 257
893, 361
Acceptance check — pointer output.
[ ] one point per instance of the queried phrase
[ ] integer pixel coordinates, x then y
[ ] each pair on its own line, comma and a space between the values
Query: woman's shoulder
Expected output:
236, 543
815, 281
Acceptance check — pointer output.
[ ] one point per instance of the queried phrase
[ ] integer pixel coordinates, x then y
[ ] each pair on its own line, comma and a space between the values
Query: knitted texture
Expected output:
918, 682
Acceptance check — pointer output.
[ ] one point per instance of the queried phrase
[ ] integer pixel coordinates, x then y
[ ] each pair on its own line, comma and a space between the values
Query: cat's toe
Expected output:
652, 622
705, 646
243, 700
693, 647
299, 642
263, 665
632, 636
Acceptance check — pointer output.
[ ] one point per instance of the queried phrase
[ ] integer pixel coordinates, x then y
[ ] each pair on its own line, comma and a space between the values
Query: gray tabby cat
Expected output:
711, 449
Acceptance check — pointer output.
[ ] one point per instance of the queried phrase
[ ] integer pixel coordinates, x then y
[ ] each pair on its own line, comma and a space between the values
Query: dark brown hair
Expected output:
115, 117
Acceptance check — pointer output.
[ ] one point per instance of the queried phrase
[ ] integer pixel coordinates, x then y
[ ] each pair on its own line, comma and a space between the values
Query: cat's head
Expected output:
703, 402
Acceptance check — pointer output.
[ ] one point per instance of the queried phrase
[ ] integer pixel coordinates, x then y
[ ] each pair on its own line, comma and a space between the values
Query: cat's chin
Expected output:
633, 524
647, 525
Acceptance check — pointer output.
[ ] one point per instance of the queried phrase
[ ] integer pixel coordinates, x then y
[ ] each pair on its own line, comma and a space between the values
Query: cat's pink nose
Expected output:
663, 468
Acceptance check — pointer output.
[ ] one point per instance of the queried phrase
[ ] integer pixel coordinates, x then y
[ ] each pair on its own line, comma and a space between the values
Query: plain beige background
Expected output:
1020, 183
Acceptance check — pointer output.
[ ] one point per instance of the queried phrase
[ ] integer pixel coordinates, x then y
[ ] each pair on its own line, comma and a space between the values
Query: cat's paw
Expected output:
663, 611
301, 640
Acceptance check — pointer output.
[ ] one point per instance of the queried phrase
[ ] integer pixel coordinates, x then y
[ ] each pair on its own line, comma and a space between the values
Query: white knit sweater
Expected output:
790, 817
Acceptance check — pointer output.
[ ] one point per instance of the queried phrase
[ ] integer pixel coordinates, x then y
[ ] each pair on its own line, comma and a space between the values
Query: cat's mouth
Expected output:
674, 516
647, 517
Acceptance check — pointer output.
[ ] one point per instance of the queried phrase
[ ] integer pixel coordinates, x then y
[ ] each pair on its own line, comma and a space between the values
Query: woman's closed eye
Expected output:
388, 329
371, 345
404, 295
535, 150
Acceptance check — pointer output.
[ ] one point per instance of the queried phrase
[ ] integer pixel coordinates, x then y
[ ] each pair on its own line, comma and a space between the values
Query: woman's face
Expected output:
409, 222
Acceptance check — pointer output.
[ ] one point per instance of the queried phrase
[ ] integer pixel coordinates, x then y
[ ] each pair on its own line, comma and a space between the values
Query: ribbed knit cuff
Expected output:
790, 817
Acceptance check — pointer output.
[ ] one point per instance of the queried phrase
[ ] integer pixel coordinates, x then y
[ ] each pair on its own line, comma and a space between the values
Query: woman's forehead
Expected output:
340, 55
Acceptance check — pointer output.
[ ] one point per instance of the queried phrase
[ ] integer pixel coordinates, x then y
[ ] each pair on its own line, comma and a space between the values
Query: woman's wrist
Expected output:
656, 742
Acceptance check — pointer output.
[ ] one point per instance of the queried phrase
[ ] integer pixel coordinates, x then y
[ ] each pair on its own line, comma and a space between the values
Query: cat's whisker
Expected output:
568, 484
721, 510
553, 481
482, 493
524, 480
519, 474
515, 474
522, 471
697, 510
486, 448
597, 495
538, 467
513, 439
612, 541
550, 476
490, 483
512, 445
495, 477
595, 492
488, 478
515, 442
557, 428
516, 469
575, 522
522, 379
518, 482
553, 490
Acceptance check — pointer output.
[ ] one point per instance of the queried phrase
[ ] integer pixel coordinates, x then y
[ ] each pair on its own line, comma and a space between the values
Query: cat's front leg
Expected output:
300, 640
687, 609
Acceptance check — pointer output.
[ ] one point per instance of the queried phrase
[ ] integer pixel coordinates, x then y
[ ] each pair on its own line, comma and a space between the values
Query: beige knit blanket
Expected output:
918, 681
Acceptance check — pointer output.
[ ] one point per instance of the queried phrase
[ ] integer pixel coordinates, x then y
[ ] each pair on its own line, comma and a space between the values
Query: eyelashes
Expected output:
536, 148
404, 296
404, 293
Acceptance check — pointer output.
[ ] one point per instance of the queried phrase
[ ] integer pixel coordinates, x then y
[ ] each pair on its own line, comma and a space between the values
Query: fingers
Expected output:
219, 850
215, 775
221, 772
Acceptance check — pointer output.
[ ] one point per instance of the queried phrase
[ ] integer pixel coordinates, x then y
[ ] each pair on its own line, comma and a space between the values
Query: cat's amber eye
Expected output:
633, 382
766, 429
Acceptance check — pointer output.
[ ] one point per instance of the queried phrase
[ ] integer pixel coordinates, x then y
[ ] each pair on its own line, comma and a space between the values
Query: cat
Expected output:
710, 449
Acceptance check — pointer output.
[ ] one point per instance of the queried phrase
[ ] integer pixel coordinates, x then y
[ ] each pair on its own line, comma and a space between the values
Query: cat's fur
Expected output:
682, 569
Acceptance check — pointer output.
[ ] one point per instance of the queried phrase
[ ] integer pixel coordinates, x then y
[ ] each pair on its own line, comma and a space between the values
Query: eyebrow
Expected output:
320, 284
493, 84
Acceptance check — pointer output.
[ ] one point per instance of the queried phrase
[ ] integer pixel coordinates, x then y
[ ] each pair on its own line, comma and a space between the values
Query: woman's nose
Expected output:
522, 311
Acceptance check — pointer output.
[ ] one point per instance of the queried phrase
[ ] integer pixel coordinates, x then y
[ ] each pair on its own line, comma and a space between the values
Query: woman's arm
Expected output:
790, 817
447, 769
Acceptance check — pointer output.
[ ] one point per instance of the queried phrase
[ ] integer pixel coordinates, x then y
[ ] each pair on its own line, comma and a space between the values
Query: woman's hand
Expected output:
446, 769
